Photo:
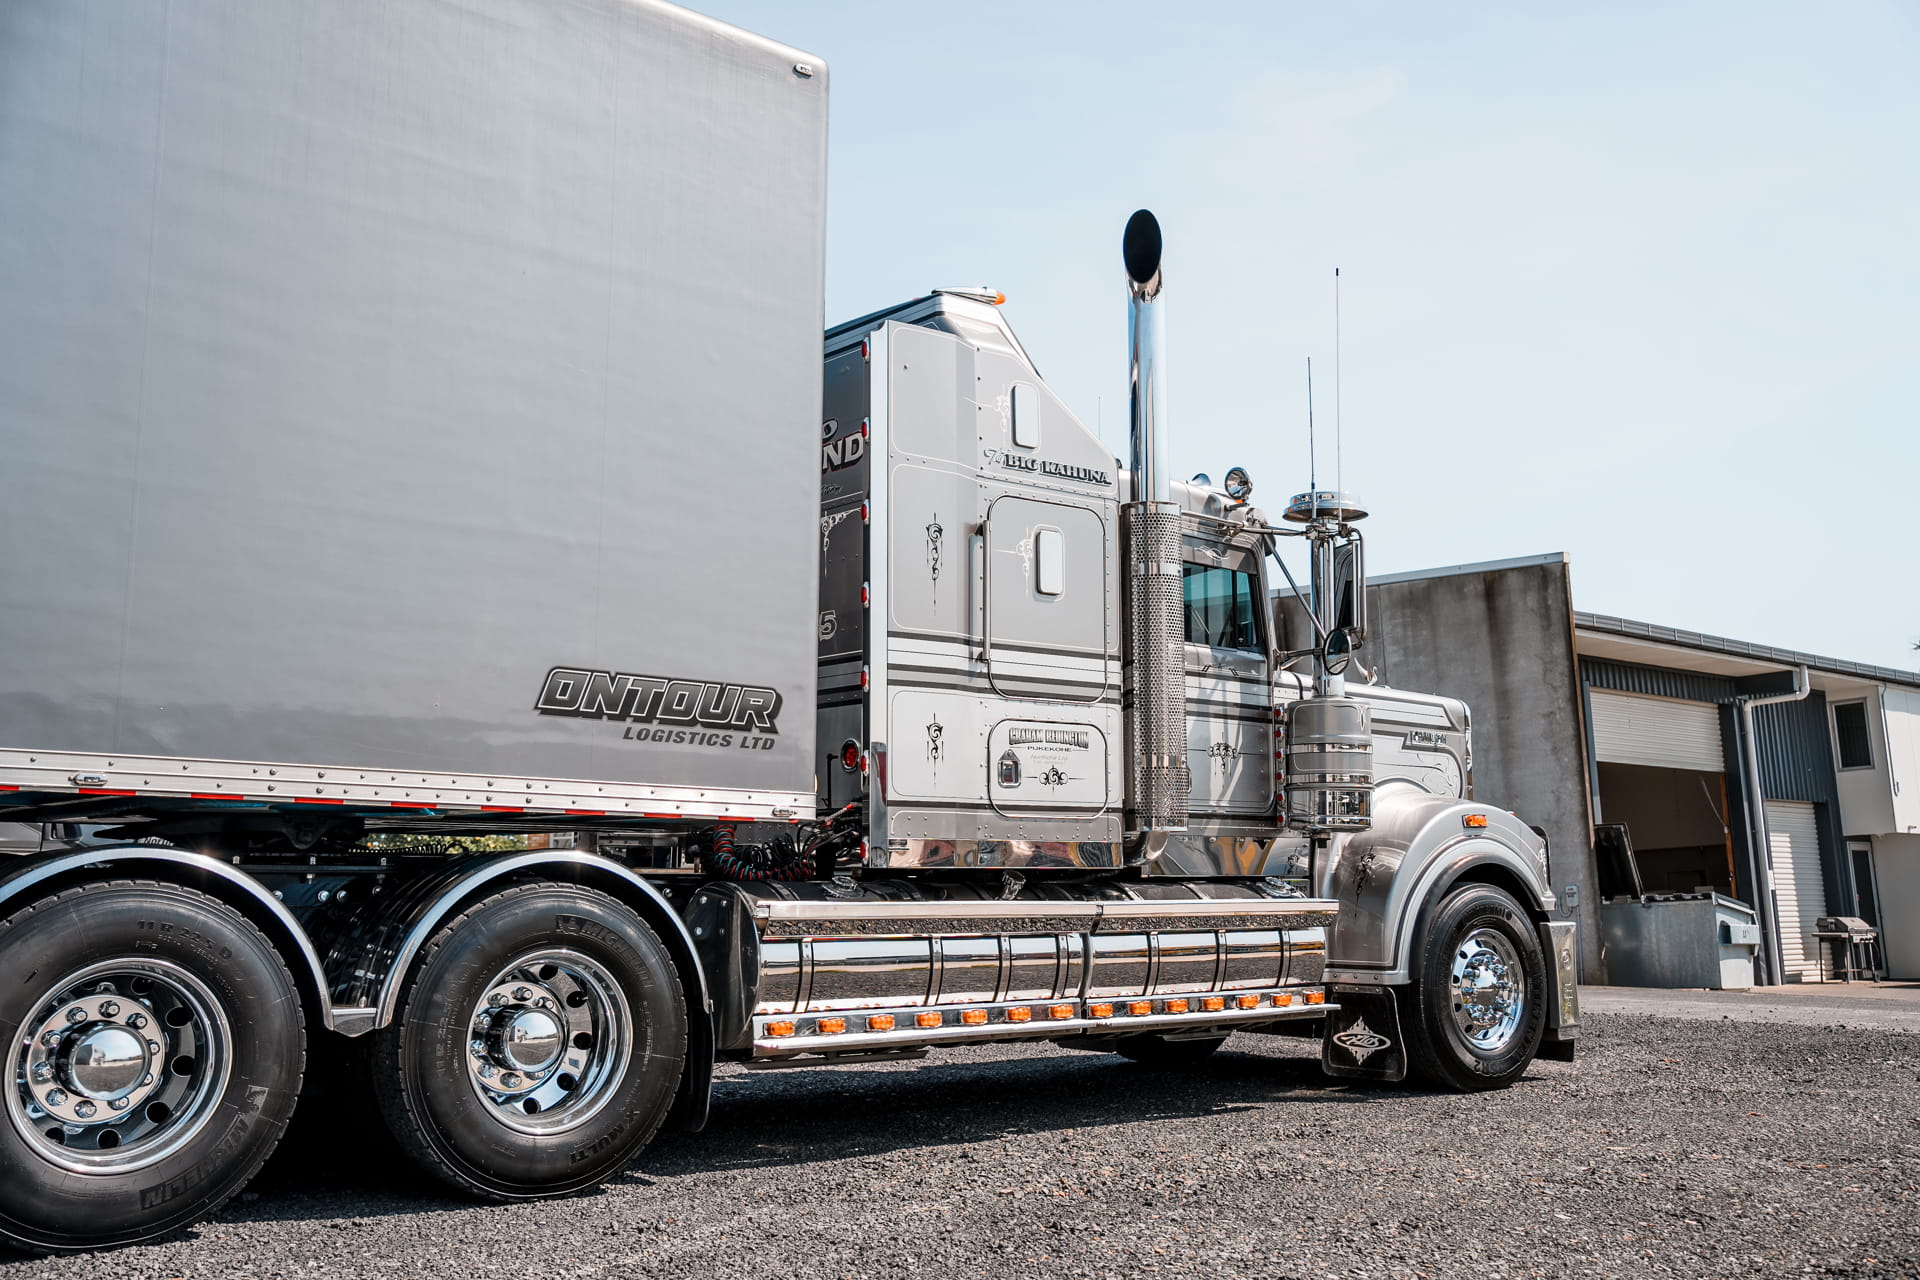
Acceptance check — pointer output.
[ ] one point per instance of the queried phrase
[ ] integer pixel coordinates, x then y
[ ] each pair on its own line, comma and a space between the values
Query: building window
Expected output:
1850, 734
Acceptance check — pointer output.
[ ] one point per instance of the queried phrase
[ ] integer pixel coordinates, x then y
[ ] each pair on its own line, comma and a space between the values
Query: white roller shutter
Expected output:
1799, 887
1634, 728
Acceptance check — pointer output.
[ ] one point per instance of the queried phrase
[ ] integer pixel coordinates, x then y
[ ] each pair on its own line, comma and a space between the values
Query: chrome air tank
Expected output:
1329, 764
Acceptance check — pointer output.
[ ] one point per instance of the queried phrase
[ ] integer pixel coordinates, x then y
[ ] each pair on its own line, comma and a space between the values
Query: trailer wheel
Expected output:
1476, 1009
1159, 1051
154, 1048
537, 1047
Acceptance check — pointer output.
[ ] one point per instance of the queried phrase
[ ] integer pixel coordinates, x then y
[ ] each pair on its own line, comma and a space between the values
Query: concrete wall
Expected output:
1502, 640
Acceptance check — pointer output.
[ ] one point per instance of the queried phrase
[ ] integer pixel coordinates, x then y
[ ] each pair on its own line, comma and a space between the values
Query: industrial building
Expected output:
1669, 757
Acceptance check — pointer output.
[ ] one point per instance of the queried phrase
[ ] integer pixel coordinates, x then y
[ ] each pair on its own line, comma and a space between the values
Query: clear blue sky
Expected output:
1637, 282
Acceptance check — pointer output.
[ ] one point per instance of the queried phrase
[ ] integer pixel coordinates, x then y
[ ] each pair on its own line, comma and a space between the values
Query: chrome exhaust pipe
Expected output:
1141, 246
1157, 722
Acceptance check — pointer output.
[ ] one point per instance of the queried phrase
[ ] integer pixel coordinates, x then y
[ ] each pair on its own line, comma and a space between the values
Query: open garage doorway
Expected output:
1662, 773
1677, 820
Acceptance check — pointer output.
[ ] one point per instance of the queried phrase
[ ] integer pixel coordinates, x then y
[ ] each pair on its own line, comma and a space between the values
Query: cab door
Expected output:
1230, 739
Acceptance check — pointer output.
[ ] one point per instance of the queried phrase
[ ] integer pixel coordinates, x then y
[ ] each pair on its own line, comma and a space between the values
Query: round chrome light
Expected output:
1239, 484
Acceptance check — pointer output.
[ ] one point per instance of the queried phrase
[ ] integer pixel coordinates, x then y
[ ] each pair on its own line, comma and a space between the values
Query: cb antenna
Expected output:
1339, 471
1313, 466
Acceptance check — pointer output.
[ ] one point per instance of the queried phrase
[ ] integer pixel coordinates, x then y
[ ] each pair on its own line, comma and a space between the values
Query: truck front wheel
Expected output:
1476, 1009
538, 1046
154, 1044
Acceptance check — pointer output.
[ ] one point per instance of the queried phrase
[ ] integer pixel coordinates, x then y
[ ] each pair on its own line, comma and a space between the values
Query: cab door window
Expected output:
1221, 608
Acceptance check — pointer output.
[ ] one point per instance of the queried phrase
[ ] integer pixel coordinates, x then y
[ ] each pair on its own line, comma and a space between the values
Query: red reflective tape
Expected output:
738, 819
316, 800
208, 795
662, 815
587, 813
503, 808
8, 786
409, 804
100, 791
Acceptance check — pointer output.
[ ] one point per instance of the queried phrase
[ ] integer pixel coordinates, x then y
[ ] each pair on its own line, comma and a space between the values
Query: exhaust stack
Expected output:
1157, 723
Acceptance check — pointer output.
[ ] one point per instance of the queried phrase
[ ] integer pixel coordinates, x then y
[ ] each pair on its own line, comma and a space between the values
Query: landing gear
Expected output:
538, 1047
156, 1054
1476, 1010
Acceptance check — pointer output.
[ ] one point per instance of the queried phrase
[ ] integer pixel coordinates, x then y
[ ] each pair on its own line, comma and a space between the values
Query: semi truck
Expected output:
418, 430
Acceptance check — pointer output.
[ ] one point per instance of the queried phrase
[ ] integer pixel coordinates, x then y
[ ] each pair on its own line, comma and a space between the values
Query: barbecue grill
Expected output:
1853, 940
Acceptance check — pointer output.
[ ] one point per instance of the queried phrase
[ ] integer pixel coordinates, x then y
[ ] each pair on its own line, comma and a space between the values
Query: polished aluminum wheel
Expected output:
118, 1065
1489, 989
548, 1043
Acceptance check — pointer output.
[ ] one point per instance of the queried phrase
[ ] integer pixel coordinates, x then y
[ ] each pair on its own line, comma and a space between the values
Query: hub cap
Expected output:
548, 1043
118, 1065
1489, 990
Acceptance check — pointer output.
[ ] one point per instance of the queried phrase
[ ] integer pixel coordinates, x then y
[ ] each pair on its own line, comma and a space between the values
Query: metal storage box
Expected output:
1679, 940
361, 363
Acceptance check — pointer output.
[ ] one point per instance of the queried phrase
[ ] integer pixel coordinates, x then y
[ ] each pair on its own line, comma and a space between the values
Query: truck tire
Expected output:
154, 1048
537, 1047
1476, 1009
1159, 1051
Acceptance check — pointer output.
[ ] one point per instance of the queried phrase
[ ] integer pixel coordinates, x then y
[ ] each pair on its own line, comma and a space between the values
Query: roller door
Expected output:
1799, 886
1666, 733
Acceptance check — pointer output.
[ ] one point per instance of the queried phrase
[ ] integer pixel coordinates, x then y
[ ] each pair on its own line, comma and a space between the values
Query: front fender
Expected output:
1418, 847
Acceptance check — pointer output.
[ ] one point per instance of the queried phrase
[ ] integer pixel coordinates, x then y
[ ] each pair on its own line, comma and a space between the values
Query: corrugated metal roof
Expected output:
1742, 649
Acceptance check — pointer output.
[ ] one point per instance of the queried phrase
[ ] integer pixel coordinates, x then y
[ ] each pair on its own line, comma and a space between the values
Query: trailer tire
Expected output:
538, 1045
163, 1044
1464, 1029
1159, 1051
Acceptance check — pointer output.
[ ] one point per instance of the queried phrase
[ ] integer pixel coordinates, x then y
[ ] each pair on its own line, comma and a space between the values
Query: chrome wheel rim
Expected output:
118, 1066
1489, 989
548, 1043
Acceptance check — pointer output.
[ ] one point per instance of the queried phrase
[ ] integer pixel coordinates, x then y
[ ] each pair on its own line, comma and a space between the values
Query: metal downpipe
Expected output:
1757, 832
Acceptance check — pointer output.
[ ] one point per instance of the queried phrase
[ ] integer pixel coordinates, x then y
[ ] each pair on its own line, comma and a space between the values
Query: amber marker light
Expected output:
830, 1026
1140, 1008
1060, 1011
1212, 1004
1246, 1002
926, 1019
1100, 1010
779, 1028
880, 1022
1177, 1006
1473, 821
1020, 1013
1282, 1000
974, 1017
1316, 997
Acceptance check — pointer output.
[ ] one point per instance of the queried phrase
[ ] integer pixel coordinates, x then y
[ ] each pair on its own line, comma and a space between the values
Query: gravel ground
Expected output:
1687, 1147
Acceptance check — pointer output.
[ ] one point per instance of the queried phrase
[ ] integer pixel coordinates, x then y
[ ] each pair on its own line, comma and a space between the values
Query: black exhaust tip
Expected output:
1140, 246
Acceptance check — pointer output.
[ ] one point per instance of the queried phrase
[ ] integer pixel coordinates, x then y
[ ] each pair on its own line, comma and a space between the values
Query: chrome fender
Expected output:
1418, 847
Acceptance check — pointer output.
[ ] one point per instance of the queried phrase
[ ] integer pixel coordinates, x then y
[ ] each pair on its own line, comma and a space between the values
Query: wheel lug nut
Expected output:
543, 1003
56, 1097
146, 1079
522, 994
43, 1071
486, 1071
50, 1039
85, 1110
109, 1008
510, 1080
76, 1014
153, 1046
497, 999
118, 1104
137, 1020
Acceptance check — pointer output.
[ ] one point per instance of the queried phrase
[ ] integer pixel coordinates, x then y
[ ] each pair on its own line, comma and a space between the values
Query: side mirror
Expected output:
1336, 651
1349, 592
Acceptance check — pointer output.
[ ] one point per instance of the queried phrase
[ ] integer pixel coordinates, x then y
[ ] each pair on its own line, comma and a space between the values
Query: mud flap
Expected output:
1362, 1039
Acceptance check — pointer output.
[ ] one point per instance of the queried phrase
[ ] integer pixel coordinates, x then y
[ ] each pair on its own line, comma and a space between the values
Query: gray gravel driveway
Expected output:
1692, 1146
